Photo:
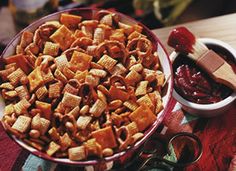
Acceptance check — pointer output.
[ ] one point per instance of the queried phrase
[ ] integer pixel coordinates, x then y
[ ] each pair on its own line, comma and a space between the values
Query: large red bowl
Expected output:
88, 13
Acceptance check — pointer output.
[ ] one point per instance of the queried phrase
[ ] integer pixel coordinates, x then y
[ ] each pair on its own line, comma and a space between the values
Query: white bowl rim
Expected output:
207, 107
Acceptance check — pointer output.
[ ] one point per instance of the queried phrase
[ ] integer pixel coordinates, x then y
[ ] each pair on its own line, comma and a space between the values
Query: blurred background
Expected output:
17, 14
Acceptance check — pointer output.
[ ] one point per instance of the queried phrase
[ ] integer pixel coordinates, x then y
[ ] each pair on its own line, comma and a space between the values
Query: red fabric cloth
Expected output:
219, 142
9, 151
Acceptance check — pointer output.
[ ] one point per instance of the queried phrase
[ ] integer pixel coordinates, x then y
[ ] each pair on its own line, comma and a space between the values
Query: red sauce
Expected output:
182, 40
195, 85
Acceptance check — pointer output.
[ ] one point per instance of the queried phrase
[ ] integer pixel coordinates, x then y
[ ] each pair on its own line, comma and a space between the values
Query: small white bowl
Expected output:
207, 110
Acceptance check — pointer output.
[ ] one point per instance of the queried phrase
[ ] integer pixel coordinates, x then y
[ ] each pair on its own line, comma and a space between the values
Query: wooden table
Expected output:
222, 28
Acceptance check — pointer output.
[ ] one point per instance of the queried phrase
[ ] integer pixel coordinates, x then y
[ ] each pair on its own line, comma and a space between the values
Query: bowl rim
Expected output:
206, 107
169, 105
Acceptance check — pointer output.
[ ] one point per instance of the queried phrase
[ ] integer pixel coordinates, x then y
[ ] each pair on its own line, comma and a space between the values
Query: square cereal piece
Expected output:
131, 105
133, 77
143, 117
93, 147
80, 61
137, 67
54, 90
98, 107
19, 50
47, 75
77, 153
81, 75
23, 92
105, 137
45, 125
160, 78
141, 88
53, 148
107, 62
156, 100
51, 49
15, 76
98, 72
58, 74
53, 133
92, 80
35, 79
83, 121
45, 108
41, 92
68, 73
9, 109
21, 106
64, 37
147, 101
61, 62
78, 33
70, 89
7, 86
65, 141
22, 124
118, 69
70, 100
70, 21
118, 35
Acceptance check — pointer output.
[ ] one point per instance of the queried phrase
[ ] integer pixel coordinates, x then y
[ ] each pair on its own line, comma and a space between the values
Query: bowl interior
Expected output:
87, 13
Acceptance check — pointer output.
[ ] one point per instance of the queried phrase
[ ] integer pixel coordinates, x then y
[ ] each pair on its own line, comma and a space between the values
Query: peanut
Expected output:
34, 133
107, 152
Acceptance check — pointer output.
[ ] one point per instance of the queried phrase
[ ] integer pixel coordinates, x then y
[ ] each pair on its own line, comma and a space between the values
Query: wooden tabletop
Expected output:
222, 28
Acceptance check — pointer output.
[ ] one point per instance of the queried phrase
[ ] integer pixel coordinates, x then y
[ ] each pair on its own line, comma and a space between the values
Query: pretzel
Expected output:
102, 16
43, 33
140, 47
124, 137
114, 49
82, 42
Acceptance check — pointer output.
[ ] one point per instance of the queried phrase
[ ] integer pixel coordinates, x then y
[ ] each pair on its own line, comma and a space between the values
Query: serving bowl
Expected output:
88, 13
213, 109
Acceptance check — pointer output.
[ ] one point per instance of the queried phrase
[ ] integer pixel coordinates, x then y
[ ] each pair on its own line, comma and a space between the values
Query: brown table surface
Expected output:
222, 28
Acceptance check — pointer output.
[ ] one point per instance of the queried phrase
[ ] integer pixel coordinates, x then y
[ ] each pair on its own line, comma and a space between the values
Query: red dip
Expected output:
195, 85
